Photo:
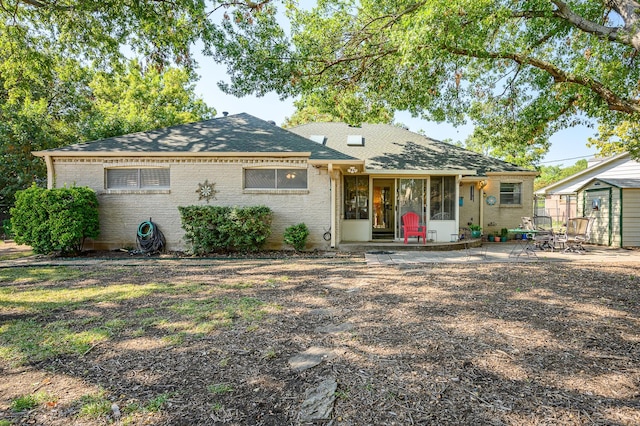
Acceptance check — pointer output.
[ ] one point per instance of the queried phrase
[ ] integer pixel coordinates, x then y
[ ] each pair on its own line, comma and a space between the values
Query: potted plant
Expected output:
504, 233
476, 231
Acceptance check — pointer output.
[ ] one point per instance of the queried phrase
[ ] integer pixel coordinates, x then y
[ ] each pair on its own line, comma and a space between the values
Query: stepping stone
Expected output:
333, 329
319, 402
310, 358
325, 312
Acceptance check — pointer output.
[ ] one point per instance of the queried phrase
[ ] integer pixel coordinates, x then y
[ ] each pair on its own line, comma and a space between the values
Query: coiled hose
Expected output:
150, 238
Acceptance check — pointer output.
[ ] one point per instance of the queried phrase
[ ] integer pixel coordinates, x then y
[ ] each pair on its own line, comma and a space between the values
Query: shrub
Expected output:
296, 236
55, 219
212, 229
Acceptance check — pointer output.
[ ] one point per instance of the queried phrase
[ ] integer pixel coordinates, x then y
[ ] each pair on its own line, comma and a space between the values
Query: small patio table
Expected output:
523, 246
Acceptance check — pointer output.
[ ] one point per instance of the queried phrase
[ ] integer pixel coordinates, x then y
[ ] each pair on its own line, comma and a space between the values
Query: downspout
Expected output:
332, 203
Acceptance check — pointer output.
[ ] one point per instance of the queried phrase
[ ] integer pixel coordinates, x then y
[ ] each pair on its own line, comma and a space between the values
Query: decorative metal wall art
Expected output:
206, 190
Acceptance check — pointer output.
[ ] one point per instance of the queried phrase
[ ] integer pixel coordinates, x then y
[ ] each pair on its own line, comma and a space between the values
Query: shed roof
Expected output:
571, 184
388, 147
629, 183
239, 134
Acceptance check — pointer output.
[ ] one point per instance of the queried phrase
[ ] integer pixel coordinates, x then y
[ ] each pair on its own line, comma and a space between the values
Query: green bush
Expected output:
57, 219
211, 229
296, 236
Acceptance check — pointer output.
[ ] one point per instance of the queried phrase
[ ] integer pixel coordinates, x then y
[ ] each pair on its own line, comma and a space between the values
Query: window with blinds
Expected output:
148, 178
510, 193
275, 179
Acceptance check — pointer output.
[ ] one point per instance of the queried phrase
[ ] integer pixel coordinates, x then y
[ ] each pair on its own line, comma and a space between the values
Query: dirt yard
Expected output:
488, 344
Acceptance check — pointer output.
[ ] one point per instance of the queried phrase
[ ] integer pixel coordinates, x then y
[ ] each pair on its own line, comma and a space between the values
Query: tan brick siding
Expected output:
122, 212
500, 216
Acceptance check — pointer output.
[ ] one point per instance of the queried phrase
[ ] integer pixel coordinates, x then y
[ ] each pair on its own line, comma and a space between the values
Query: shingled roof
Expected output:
239, 133
388, 147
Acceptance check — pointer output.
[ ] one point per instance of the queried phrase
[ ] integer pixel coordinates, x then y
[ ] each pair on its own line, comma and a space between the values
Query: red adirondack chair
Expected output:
412, 228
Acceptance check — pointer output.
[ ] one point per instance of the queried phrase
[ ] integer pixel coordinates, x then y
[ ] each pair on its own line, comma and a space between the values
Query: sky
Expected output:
567, 146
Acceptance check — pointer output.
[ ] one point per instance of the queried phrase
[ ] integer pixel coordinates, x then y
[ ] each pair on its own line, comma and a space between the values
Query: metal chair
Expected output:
577, 233
544, 238
411, 227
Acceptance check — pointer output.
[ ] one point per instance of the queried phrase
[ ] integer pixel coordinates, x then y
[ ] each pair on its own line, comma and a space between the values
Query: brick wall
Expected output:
121, 212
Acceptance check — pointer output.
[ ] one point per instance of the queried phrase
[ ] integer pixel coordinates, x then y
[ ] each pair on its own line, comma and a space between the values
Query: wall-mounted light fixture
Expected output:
352, 170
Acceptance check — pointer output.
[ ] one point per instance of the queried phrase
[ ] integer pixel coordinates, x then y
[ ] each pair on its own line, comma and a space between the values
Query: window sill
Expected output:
136, 191
276, 191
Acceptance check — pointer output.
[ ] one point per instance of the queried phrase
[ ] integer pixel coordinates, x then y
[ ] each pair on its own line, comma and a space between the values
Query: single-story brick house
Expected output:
354, 182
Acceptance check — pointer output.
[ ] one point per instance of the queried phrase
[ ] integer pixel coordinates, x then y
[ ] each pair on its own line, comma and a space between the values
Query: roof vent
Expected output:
225, 113
321, 139
355, 140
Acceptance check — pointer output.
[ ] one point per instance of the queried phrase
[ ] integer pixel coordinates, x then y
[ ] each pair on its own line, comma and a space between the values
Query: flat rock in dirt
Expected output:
310, 358
335, 328
319, 401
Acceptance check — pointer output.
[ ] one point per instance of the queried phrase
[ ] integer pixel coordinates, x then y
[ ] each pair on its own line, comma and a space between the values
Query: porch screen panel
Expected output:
411, 198
442, 193
356, 197
260, 178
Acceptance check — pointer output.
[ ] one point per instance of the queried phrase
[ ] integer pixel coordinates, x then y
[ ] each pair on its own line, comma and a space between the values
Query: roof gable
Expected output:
621, 166
239, 133
388, 147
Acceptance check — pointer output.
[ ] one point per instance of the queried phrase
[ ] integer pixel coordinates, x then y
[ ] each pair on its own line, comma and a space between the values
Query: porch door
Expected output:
411, 198
383, 209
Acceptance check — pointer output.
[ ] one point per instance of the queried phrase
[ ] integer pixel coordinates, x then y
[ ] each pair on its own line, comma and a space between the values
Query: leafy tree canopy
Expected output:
519, 70
48, 100
552, 174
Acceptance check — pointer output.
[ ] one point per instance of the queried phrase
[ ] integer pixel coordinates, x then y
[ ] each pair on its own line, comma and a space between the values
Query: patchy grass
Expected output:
33, 275
435, 344
220, 388
31, 401
28, 340
94, 406
14, 256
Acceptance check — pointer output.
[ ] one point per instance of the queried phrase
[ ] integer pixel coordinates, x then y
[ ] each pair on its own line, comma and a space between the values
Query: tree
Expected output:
519, 70
552, 174
615, 139
140, 100
349, 108
48, 100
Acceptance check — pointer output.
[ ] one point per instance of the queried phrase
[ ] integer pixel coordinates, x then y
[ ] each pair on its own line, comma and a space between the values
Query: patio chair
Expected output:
544, 238
411, 227
577, 233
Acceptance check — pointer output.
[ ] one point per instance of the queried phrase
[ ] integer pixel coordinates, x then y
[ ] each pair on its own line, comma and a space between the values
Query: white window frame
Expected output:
137, 177
511, 195
279, 174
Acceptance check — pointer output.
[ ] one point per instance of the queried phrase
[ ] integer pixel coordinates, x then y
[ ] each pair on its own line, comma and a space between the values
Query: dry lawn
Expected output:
178, 343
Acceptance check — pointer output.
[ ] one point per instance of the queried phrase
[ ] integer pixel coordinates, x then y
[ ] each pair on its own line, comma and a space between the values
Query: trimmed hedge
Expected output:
212, 229
57, 219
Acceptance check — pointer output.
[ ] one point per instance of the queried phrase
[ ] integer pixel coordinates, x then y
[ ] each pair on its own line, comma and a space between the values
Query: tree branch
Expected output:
630, 36
614, 102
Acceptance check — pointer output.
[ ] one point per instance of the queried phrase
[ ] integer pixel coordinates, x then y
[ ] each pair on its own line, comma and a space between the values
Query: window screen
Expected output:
510, 193
275, 179
138, 178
